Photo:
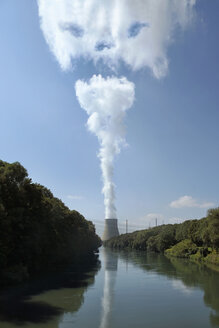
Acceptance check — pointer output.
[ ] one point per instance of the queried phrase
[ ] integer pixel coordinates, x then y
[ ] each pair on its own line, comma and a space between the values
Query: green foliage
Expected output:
37, 229
155, 239
213, 227
184, 249
212, 258
194, 239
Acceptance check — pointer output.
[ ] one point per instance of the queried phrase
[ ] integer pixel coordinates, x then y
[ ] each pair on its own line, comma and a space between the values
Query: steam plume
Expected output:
138, 32
106, 102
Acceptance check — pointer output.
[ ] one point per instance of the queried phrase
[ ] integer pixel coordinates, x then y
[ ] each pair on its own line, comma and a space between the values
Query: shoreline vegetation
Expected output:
196, 240
38, 232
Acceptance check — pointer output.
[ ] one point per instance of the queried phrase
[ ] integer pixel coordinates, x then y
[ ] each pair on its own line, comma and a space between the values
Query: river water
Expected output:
129, 290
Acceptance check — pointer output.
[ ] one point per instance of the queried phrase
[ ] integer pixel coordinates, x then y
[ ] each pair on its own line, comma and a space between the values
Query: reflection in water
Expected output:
42, 301
147, 290
110, 266
185, 276
179, 285
197, 275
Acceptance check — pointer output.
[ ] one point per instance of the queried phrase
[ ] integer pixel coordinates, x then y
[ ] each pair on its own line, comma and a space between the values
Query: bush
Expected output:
183, 249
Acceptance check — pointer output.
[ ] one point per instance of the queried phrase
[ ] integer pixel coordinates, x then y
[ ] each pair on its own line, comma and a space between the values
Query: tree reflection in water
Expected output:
185, 275
43, 301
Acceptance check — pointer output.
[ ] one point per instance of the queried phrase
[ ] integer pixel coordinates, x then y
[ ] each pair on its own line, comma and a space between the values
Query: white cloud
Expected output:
137, 32
106, 102
153, 216
174, 220
75, 197
180, 286
189, 201
149, 220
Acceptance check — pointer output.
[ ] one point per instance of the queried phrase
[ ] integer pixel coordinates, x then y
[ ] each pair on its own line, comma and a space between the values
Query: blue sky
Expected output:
172, 128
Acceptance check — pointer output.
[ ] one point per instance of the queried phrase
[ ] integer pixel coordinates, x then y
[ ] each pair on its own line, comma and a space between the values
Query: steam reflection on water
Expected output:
110, 273
132, 289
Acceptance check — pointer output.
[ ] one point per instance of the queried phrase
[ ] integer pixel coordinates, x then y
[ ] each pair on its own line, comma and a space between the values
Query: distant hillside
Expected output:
194, 239
37, 230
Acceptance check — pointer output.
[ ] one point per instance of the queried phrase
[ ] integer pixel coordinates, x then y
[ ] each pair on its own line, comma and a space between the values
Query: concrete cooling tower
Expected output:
110, 229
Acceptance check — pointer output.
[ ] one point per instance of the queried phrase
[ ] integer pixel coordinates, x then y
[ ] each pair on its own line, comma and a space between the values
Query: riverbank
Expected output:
38, 232
197, 240
189, 250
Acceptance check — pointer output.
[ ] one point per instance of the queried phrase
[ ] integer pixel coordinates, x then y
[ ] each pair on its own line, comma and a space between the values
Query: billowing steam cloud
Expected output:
106, 102
135, 31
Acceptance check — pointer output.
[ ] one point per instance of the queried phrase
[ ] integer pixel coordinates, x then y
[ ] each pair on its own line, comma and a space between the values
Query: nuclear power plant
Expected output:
110, 229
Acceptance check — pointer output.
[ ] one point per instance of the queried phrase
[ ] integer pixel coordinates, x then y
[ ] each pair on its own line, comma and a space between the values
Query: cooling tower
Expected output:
110, 229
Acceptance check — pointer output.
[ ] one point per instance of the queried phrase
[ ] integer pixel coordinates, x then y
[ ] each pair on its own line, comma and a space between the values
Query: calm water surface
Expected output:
132, 289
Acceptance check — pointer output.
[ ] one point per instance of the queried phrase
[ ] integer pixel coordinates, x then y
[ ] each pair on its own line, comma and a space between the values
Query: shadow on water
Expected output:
44, 298
186, 273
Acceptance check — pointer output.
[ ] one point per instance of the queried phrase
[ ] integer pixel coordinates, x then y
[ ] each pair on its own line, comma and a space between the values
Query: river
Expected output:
129, 290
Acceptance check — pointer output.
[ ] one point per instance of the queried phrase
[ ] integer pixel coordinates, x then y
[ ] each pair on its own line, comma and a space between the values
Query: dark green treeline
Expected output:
195, 239
37, 230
